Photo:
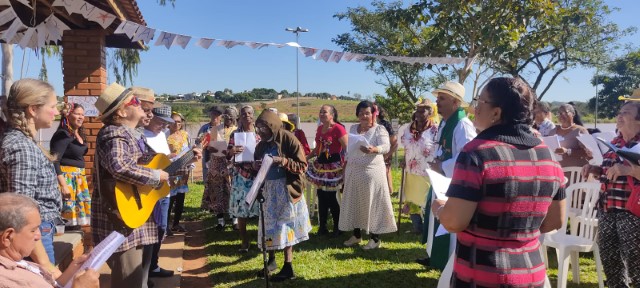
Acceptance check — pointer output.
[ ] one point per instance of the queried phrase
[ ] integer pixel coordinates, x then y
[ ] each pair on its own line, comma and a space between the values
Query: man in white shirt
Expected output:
157, 140
541, 118
455, 131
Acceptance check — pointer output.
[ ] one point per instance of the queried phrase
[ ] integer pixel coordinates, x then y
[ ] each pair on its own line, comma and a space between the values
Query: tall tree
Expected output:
378, 31
581, 35
619, 78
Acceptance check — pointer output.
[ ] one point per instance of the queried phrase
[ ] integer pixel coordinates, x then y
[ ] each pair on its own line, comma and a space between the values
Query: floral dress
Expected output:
420, 150
242, 179
218, 181
178, 143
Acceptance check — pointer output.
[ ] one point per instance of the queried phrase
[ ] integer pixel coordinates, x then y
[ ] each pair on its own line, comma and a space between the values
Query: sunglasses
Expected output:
134, 102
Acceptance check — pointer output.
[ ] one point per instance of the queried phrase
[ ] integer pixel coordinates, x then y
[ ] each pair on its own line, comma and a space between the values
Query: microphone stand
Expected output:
265, 262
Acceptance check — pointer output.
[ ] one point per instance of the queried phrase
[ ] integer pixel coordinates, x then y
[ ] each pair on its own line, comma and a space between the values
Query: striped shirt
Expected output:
513, 186
26, 170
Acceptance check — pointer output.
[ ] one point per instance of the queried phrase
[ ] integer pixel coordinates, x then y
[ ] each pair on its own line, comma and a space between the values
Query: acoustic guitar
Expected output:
136, 203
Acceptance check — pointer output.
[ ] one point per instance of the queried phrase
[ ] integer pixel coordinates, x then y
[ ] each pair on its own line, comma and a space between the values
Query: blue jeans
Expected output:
160, 216
161, 213
47, 229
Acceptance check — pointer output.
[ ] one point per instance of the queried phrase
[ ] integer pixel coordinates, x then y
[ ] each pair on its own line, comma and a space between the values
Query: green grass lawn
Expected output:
325, 262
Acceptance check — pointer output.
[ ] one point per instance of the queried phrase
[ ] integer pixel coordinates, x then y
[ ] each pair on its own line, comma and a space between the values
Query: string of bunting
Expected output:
52, 28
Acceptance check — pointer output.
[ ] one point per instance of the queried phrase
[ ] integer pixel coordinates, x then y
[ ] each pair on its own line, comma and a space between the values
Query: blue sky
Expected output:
195, 69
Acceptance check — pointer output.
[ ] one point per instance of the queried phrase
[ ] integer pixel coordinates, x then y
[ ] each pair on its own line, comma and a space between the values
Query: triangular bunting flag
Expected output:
145, 34
325, 54
359, 57
85, 9
26, 38
127, 27
255, 45
205, 42
12, 30
182, 40
165, 39
306, 51
101, 17
336, 57
42, 35
7, 15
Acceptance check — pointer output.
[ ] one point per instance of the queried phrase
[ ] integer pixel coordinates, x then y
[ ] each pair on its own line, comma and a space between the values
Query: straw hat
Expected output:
635, 96
146, 95
111, 99
453, 89
285, 122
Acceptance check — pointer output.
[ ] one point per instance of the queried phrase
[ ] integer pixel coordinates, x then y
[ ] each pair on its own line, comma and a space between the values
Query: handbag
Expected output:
633, 203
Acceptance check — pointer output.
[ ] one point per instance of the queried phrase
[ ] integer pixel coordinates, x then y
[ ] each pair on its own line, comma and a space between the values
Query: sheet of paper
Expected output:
248, 141
101, 253
590, 144
257, 182
553, 142
355, 141
220, 146
439, 184
607, 137
441, 231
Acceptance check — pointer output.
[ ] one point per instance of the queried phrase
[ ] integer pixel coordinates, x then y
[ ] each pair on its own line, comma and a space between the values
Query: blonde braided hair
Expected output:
22, 94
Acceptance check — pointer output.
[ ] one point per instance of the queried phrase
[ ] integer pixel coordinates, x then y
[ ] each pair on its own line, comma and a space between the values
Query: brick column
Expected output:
85, 74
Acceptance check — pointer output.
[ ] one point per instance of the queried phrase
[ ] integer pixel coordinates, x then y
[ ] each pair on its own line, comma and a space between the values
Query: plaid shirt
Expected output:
616, 192
26, 170
119, 148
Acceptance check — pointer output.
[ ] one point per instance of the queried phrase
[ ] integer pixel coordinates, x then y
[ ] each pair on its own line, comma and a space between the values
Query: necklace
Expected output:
567, 127
362, 130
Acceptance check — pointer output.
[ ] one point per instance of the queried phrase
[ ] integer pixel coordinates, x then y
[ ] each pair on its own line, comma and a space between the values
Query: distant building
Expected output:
334, 97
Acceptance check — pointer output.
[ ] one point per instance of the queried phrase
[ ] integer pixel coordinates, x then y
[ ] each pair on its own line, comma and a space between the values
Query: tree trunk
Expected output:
7, 67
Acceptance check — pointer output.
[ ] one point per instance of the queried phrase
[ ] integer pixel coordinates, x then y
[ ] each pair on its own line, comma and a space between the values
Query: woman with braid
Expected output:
25, 166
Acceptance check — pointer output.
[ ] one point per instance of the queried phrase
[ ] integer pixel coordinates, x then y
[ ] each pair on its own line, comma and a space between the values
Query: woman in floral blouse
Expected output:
419, 147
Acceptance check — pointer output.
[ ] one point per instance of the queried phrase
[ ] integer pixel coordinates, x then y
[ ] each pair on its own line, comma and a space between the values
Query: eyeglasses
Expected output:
134, 102
474, 102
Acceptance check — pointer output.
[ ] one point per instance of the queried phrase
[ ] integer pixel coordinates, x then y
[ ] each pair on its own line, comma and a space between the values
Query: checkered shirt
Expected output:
118, 149
26, 170
616, 192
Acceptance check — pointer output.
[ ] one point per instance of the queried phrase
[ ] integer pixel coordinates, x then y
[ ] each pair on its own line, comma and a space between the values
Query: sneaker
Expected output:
372, 245
352, 241
161, 273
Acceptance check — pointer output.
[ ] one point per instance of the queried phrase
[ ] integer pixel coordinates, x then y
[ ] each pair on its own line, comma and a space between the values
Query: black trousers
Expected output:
327, 201
178, 200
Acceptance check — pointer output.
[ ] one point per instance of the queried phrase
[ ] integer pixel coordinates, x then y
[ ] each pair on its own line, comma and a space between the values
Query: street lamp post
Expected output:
297, 31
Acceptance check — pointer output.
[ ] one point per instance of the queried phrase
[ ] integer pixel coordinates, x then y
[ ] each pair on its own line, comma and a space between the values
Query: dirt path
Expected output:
195, 272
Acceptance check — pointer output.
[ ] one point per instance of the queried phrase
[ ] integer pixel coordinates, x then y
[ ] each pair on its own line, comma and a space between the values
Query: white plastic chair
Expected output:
577, 197
584, 240
575, 175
